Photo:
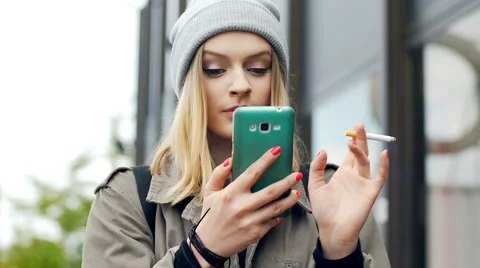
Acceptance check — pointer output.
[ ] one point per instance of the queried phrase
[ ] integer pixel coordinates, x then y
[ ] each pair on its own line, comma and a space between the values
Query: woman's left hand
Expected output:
342, 205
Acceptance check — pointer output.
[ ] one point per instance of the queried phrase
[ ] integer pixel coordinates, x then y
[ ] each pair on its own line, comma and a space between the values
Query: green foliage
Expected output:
66, 208
36, 253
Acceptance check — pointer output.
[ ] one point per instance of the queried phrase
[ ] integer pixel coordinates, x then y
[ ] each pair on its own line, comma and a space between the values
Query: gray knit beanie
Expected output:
206, 18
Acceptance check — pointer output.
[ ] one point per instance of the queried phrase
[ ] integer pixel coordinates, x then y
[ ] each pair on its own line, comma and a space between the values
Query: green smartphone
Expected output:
257, 129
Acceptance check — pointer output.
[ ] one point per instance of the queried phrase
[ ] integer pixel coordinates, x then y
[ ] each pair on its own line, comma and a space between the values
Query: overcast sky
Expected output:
66, 68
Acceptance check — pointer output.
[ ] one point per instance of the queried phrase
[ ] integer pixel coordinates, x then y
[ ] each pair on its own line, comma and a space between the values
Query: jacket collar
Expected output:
161, 183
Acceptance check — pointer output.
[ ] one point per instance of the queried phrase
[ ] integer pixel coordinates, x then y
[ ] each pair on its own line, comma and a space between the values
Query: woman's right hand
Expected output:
238, 217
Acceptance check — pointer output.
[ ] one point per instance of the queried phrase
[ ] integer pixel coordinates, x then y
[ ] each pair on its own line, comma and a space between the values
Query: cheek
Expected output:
207, 87
214, 98
211, 105
211, 93
262, 92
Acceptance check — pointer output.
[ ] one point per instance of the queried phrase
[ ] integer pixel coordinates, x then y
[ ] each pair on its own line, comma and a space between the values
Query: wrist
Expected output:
334, 250
203, 263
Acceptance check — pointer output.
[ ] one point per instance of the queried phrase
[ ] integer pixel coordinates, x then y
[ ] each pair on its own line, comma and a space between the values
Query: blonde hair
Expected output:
185, 148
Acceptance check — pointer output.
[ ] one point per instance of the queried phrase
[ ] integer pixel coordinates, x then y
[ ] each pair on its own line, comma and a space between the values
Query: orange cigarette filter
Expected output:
351, 133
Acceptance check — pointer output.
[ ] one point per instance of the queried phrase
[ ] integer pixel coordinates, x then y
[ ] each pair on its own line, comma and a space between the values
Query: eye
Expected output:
213, 72
259, 71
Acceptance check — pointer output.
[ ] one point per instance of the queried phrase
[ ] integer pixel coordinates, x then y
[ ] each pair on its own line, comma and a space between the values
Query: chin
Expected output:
226, 131
223, 134
227, 135
221, 128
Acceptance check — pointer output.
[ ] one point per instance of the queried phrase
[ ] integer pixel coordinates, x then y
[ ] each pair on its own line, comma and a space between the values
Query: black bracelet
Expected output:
212, 258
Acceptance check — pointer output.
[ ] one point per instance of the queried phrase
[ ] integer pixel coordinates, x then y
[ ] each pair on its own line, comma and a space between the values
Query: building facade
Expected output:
404, 68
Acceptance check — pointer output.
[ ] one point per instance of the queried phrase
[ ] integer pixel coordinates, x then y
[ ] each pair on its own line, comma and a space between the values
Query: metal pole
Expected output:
143, 78
156, 71
297, 62
406, 187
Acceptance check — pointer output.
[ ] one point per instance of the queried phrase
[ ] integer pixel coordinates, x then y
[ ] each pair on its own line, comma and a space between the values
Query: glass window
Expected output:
360, 102
452, 126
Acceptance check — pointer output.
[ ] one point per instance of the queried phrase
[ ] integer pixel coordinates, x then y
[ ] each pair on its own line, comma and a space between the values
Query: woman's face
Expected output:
237, 72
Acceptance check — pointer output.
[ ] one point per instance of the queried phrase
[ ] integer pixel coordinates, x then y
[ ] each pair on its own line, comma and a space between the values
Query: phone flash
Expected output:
276, 127
253, 127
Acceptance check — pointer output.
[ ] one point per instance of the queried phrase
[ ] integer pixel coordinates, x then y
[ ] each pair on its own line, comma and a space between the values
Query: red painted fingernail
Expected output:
276, 150
298, 193
279, 220
298, 176
226, 162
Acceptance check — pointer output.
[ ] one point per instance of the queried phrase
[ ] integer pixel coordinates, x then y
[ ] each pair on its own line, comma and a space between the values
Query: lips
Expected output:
233, 108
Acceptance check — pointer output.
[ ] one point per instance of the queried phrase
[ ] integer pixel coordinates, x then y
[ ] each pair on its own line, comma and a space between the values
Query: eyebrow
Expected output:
257, 54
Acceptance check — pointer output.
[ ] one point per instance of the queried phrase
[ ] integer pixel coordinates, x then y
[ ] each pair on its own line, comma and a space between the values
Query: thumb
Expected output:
317, 170
218, 177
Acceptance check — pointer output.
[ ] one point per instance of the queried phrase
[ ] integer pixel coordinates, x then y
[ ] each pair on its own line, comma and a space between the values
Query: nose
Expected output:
240, 85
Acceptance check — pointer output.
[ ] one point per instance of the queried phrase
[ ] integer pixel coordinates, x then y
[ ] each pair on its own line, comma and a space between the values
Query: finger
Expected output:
276, 208
218, 177
273, 191
354, 141
382, 175
349, 160
248, 178
269, 224
317, 169
361, 138
362, 161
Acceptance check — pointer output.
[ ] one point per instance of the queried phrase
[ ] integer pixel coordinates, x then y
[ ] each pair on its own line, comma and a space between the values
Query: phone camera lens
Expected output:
264, 126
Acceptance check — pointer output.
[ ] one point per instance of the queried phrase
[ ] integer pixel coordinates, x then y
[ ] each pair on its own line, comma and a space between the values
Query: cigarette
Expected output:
371, 136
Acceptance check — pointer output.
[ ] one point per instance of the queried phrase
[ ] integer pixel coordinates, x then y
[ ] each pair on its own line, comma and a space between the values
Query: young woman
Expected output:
226, 54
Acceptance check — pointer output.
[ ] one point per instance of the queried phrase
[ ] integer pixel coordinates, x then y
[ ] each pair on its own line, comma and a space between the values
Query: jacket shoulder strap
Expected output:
143, 178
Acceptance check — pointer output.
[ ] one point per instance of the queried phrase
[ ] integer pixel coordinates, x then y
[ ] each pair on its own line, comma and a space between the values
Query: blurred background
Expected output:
85, 87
